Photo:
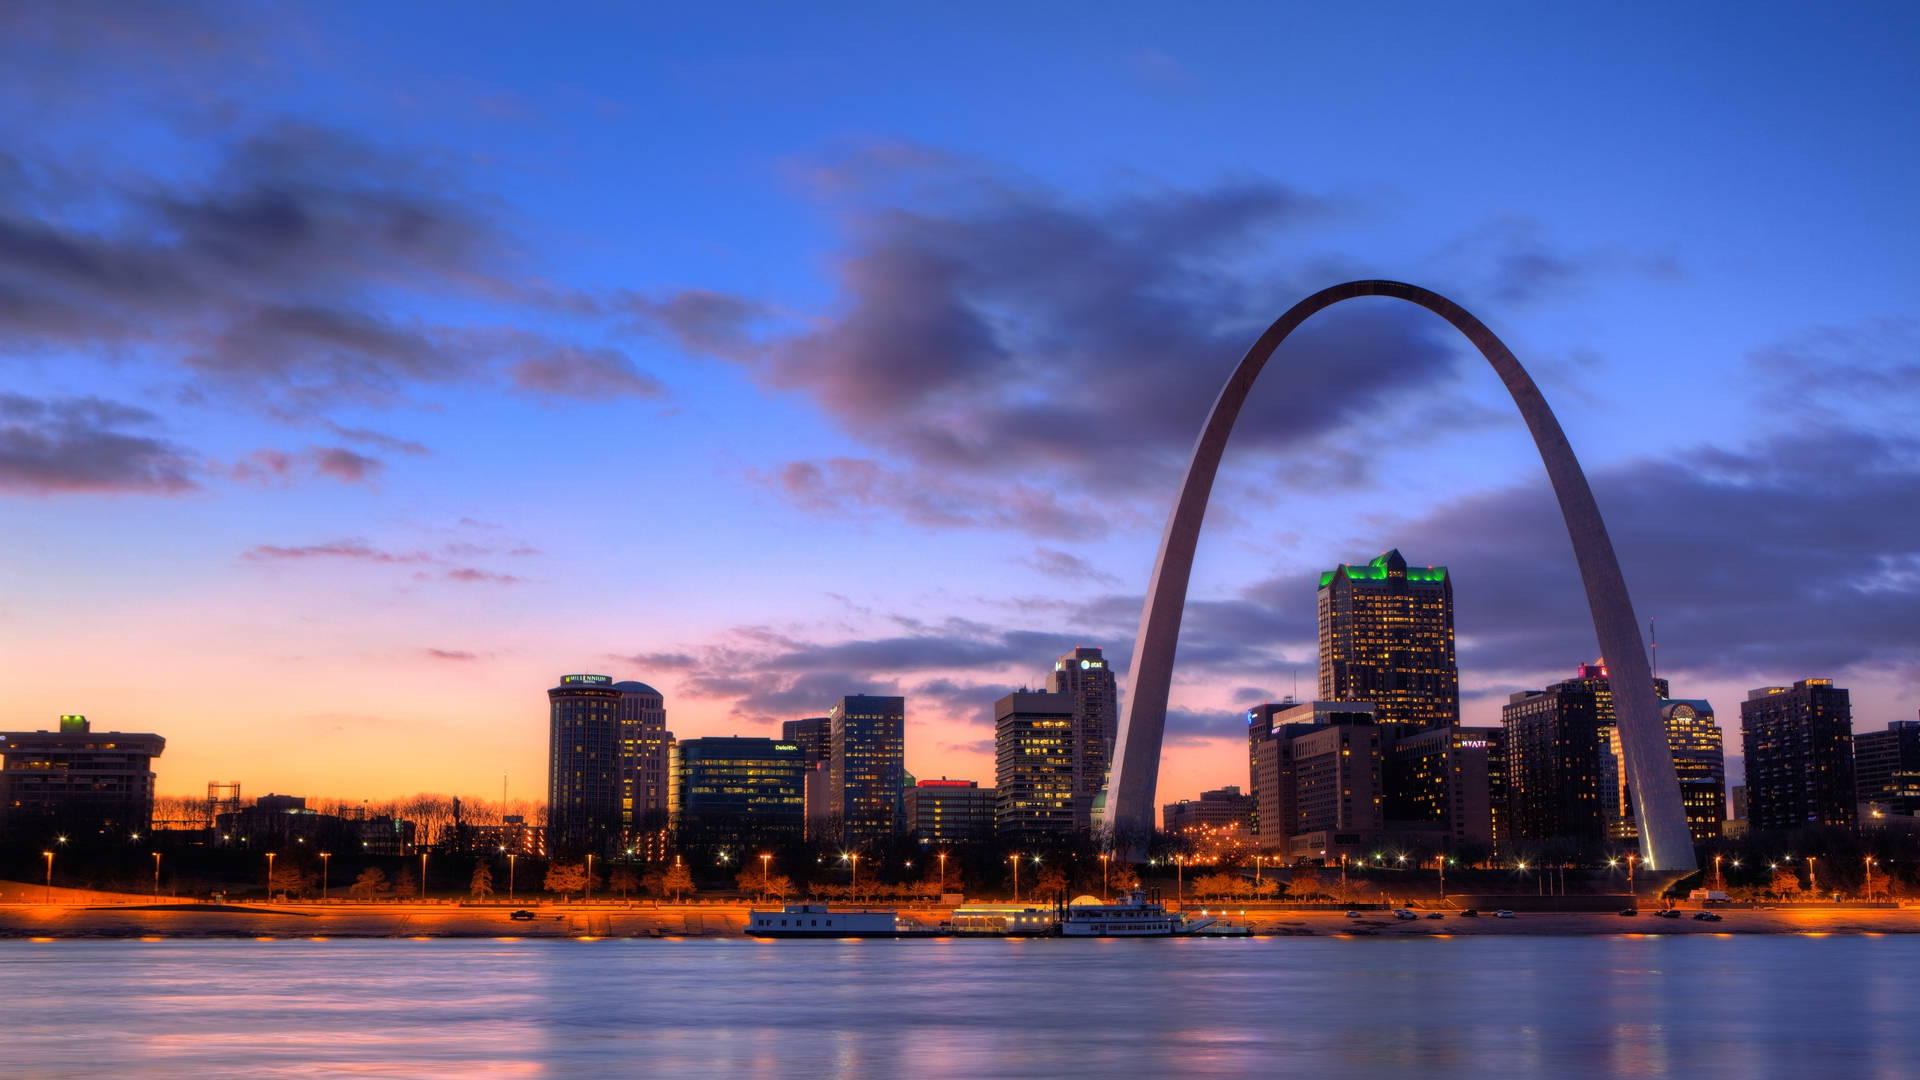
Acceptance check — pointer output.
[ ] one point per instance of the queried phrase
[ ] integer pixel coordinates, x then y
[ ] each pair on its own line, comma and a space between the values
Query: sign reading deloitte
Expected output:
586, 680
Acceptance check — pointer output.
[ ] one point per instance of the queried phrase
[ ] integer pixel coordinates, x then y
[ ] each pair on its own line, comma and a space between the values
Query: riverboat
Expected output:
821, 921
1139, 914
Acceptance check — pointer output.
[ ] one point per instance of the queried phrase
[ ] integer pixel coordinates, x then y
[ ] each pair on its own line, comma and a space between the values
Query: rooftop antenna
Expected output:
1296, 682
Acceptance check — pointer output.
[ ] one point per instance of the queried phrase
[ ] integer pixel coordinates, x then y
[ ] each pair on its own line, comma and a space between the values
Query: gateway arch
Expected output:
1664, 840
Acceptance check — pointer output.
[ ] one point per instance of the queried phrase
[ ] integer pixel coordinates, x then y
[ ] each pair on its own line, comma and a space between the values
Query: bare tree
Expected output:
623, 881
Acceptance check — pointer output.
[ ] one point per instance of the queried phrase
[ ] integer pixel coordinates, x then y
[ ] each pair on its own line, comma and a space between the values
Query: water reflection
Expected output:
1631, 1007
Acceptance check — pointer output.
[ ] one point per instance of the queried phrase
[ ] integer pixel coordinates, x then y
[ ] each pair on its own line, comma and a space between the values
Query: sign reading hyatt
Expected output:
591, 680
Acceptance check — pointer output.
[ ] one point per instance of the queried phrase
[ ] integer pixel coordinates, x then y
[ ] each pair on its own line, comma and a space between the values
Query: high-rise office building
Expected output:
1386, 636
1699, 762
645, 753
943, 811
866, 756
1084, 676
1271, 818
734, 791
1316, 771
1798, 742
1879, 757
1033, 765
584, 765
814, 736
1562, 780
75, 781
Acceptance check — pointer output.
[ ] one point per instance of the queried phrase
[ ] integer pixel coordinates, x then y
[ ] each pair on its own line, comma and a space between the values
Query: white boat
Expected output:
1137, 915
820, 921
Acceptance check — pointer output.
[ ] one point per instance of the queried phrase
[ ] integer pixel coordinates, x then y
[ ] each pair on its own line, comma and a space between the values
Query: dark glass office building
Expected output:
730, 792
584, 767
867, 760
1799, 747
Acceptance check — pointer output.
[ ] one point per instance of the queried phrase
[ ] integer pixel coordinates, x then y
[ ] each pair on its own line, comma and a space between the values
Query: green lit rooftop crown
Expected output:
1377, 570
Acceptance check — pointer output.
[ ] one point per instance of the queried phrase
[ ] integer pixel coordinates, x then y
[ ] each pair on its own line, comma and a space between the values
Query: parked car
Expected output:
1435, 915
1667, 913
1470, 913
1403, 914
1629, 911
1707, 916
521, 915
1503, 913
1353, 914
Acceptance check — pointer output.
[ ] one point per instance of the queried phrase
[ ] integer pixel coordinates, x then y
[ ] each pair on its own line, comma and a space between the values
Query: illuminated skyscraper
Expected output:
645, 745
1084, 677
584, 774
1799, 748
1033, 765
1386, 636
867, 756
1699, 762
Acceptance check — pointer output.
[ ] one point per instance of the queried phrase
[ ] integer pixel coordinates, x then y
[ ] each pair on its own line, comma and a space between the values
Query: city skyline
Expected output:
321, 504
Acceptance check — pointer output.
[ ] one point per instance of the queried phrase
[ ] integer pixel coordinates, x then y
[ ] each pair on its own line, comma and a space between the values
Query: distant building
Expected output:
1436, 786
513, 836
1084, 676
645, 757
822, 802
584, 766
1386, 636
943, 812
867, 754
814, 737
1222, 808
1798, 742
76, 781
1033, 765
1880, 757
732, 791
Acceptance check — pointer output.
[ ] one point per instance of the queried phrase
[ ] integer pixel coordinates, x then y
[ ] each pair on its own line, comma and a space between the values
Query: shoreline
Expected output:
191, 921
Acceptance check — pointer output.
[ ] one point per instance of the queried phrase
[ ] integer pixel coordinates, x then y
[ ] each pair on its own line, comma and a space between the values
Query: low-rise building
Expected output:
76, 781
947, 811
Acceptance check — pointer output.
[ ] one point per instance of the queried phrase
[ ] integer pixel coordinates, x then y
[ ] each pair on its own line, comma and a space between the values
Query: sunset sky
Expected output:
366, 367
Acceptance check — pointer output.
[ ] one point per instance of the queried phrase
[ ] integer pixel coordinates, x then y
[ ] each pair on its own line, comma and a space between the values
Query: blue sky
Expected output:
366, 369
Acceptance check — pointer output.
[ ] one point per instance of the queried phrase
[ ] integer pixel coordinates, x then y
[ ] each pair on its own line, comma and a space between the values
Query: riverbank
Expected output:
167, 920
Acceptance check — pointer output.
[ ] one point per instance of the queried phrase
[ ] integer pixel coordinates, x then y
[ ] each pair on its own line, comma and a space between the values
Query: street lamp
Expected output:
1631, 860
510, 857
270, 877
1103, 874
156, 873
1717, 876
766, 868
943, 873
1869, 870
1812, 886
587, 897
49, 895
423, 877
1015, 860
1180, 880
325, 865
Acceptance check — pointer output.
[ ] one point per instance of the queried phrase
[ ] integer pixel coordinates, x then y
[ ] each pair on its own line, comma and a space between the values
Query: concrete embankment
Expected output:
137, 917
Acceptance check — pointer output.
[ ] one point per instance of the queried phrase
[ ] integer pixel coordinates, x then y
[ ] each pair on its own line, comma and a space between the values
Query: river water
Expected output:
1691, 1007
